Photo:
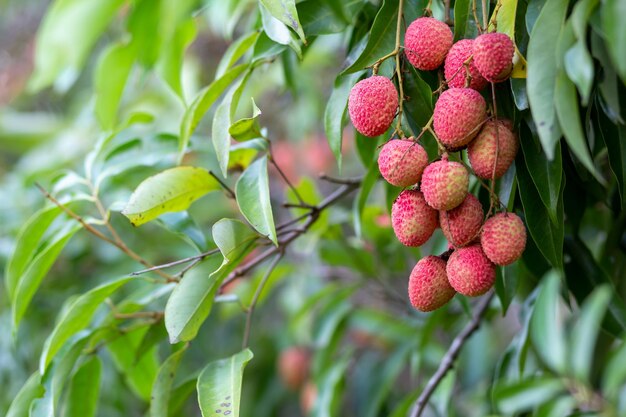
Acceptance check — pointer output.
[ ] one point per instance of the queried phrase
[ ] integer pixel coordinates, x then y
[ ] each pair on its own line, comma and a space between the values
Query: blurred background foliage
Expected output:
98, 109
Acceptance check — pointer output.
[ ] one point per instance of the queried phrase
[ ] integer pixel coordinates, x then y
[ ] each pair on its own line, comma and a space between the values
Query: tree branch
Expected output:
451, 355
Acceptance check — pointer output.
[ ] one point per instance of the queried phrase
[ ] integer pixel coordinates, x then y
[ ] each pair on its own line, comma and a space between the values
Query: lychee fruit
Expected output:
429, 288
503, 238
372, 105
470, 272
293, 366
455, 70
462, 224
412, 219
444, 184
426, 43
493, 56
458, 116
401, 162
308, 397
481, 152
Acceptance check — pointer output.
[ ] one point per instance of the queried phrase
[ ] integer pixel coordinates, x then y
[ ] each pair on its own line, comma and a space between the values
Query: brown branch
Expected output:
198, 257
450, 357
225, 186
293, 189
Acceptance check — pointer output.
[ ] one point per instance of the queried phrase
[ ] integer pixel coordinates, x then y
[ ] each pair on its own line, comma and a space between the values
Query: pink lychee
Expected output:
458, 117
401, 162
445, 184
426, 43
470, 272
372, 105
503, 238
493, 56
455, 70
462, 224
429, 288
412, 219
481, 152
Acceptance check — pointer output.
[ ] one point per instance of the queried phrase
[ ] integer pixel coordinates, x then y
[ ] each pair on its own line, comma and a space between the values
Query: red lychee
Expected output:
503, 238
493, 56
426, 43
412, 219
444, 184
456, 72
458, 117
293, 366
401, 162
372, 105
470, 272
481, 152
462, 224
429, 288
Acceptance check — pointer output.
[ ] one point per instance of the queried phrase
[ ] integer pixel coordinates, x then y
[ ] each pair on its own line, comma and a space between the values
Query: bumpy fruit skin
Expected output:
503, 238
429, 288
426, 43
462, 224
402, 162
293, 366
412, 219
372, 105
444, 184
470, 272
493, 56
458, 117
455, 71
481, 152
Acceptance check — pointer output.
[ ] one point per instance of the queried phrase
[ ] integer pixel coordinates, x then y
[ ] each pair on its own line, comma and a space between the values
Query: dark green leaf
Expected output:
614, 138
161, 390
322, 18
461, 15
84, 390
612, 12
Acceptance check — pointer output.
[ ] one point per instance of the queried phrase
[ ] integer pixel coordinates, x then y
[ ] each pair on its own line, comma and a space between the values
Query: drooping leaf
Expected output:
253, 198
219, 385
248, 127
242, 154
286, 12
615, 140
171, 190
84, 389
75, 318
278, 31
336, 111
31, 390
612, 13
161, 390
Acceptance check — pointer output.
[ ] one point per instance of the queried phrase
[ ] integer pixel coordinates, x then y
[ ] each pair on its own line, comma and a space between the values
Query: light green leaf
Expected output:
161, 390
219, 385
75, 318
285, 11
542, 69
235, 51
37, 269
202, 103
585, 332
242, 154
248, 127
253, 198
110, 78
68, 32
31, 390
171, 190
545, 330
368, 183
613, 12
84, 390
171, 59
526, 394
278, 31
336, 111
615, 372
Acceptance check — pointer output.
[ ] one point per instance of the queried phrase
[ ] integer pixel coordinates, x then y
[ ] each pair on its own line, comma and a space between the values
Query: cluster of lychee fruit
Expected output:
436, 193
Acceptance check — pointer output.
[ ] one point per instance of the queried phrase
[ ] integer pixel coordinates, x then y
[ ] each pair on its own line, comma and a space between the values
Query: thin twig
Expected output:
293, 189
399, 69
450, 357
476, 19
343, 181
178, 262
225, 186
255, 298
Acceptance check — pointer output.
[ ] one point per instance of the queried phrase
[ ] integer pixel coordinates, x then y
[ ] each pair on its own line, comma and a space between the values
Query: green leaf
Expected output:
285, 11
335, 112
235, 51
578, 62
84, 390
192, 299
68, 32
31, 390
75, 318
253, 198
278, 31
368, 183
542, 70
612, 13
615, 372
202, 103
219, 385
585, 332
323, 18
526, 394
418, 107
242, 154
170, 63
26, 244
545, 331
39, 265
171, 190
546, 175
248, 127
615, 140
558, 407
329, 387
507, 281
566, 103
461, 15
110, 78
161, 390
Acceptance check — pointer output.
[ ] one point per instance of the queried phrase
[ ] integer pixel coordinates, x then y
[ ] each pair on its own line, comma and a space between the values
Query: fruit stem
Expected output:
494, 200
476, 20
399, 69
